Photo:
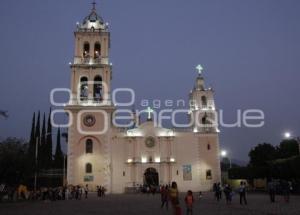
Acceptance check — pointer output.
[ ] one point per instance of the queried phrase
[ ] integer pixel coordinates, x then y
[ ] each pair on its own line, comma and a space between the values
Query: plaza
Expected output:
134, 204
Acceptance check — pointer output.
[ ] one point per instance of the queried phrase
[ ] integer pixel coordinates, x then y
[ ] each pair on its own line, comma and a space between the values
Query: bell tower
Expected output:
90, 107
202, 106
91, 71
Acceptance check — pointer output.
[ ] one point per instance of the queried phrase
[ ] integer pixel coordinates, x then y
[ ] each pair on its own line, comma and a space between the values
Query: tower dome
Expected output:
92, 22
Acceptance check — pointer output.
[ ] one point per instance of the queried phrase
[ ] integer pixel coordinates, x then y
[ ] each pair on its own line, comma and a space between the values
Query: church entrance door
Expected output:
151, 177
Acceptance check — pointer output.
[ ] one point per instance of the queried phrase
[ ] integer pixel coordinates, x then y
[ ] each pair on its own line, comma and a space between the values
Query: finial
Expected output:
94, 5
149, 111
199, 68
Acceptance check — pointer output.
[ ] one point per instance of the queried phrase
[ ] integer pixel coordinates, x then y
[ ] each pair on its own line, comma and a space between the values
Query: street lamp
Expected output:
224, 155
287, 135
36, 161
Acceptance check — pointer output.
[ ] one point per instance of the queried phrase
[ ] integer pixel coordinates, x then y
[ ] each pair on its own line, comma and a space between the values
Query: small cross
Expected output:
149, 111
94, 5
200, 69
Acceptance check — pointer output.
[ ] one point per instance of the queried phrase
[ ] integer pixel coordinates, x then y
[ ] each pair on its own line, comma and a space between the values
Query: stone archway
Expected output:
151, 177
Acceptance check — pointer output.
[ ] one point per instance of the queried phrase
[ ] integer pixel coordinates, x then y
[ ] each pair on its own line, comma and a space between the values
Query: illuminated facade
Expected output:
122, 159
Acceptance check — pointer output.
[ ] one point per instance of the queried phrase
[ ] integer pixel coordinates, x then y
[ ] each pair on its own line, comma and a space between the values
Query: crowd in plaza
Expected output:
169, 194
70, 192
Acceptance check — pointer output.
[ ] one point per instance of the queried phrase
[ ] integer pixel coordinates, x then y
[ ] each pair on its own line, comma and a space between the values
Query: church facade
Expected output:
120, 159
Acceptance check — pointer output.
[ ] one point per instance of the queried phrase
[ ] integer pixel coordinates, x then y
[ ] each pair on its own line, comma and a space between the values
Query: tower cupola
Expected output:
92, 22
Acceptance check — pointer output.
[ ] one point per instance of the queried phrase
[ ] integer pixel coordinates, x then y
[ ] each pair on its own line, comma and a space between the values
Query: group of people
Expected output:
101, 191
170, 193
49, 193
283, 186
229, 193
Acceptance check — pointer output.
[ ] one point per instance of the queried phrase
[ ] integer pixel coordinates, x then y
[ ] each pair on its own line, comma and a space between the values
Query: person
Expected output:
153, 190
64, 190
215, 190
189, 200
286, 189
81, 191
242, 191
200, 195
218, 191
228, 193
173, 194
77, 194
103, 191
272, 190
98, 191
164, 196
86, 191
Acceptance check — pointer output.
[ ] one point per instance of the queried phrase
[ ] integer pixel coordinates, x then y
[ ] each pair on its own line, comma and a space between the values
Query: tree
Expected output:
31, 147
58, 157
37, 140
262, 154
42, 152
13, 161
48, 150
288, 148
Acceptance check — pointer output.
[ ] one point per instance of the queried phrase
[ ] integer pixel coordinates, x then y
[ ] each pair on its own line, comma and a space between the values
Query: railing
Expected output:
90, 60
202, 129
90, 102
92, 30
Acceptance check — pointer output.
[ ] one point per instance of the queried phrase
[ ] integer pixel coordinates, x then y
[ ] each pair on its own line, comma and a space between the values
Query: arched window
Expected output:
86, 49
89, 146
208, 146
88, 168
203, 101
97, 50
97, 88
84, 88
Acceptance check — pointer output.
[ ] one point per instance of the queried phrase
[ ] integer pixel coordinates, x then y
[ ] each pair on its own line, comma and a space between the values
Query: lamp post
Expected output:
36, 162
224, 154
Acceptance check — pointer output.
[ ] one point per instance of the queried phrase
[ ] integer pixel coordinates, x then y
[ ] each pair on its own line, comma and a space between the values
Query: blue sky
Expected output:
250, 51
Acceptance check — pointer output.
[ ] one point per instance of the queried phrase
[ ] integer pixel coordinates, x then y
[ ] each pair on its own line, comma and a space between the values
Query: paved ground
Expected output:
142, 204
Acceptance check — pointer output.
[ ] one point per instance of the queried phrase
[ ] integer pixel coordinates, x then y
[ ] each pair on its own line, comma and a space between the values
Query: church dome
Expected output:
92, 22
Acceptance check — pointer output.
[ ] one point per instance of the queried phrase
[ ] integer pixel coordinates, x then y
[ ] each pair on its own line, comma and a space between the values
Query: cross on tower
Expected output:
200, 69
94, 5
149, 111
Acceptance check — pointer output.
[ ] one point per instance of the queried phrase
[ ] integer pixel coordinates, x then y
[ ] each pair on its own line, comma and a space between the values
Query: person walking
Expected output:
174, 197
228, 193
189, 201
164, 196
218, 191
103, 191
86, 191
98, 191
242, 191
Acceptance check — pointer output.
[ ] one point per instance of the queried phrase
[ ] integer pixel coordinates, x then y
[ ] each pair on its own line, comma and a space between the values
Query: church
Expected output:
122, 159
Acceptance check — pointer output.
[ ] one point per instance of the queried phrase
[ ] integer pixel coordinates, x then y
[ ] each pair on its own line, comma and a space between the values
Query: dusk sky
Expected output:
250, 51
